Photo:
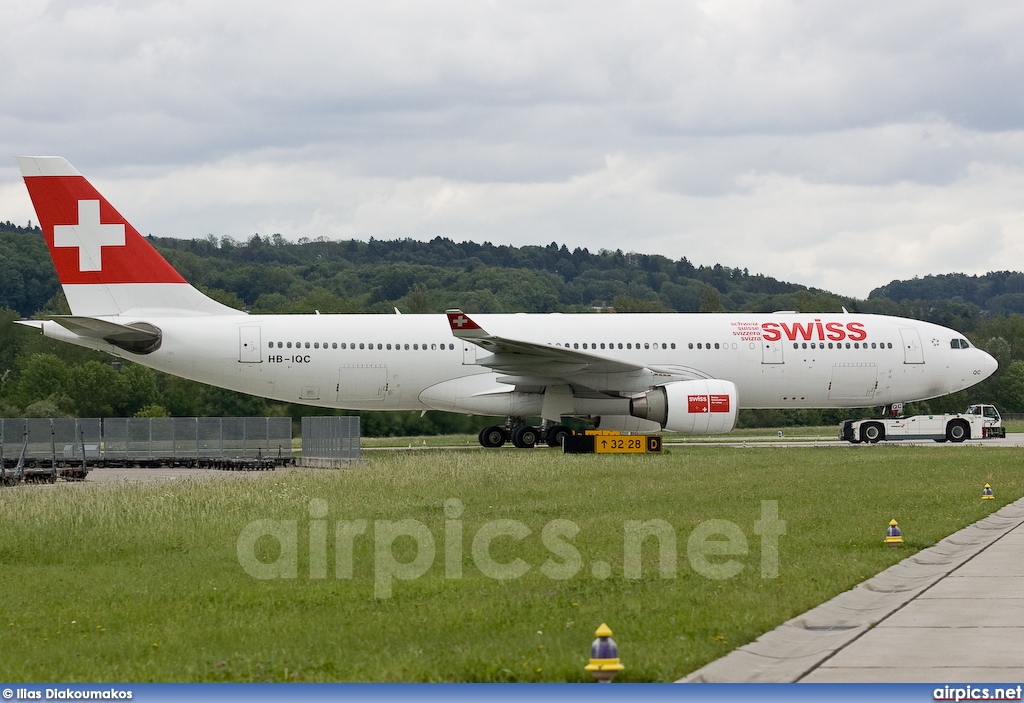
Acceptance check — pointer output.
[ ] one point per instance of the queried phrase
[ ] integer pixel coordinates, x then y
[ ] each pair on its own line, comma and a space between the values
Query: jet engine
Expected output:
703, 406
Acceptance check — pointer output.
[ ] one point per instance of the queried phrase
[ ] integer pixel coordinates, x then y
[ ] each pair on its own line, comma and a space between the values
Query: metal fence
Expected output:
329, 440
148, 440
182, 438
60, 438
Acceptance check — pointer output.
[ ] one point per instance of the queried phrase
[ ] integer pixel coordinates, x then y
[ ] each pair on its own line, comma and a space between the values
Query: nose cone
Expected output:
970, 368
988, 365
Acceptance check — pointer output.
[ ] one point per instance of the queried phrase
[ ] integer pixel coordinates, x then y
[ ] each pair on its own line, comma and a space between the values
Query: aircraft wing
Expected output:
529, 364
511, 355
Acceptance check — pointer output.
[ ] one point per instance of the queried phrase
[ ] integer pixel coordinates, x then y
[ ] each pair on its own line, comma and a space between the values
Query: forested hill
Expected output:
997, 293
27, 278
273, 275
269, 274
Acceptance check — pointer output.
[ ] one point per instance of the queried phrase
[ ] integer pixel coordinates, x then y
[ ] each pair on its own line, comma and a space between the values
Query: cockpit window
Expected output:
960, 344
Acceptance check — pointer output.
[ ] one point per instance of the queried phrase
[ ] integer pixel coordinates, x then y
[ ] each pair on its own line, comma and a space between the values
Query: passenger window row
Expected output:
381, 346
707, 345
617, 345
839, 345
362, 345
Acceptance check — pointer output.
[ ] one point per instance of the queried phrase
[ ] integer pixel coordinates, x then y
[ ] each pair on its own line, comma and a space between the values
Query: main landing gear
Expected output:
523, 435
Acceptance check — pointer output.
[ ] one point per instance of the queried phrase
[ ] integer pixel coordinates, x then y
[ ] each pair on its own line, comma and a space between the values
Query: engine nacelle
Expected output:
481, 395
694, 407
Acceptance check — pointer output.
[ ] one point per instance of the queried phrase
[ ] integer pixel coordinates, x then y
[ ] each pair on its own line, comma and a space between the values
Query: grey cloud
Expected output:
714, 130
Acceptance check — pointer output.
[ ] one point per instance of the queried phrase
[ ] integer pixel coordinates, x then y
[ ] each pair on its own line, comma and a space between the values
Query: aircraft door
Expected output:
853, 382
250, 349
771, 352
912, 351
362, 384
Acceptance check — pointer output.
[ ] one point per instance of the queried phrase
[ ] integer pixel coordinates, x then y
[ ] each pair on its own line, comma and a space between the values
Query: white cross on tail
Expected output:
89, 236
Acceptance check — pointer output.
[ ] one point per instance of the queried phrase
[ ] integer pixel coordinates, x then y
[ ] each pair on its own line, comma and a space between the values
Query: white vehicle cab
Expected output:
978, 422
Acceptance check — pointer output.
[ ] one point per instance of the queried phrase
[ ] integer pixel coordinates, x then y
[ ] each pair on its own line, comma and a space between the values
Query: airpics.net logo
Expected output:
714, 549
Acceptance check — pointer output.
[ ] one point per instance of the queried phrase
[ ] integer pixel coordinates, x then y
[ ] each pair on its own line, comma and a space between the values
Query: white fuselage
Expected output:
413, 362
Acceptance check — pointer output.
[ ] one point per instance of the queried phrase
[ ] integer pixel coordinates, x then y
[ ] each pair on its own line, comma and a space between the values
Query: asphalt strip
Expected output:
952, 612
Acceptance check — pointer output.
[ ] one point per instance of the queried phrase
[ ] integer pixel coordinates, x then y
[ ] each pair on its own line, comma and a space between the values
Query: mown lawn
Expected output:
144, 582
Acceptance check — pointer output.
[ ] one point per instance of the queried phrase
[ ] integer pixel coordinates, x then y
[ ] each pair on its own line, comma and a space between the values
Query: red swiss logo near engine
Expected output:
714, 403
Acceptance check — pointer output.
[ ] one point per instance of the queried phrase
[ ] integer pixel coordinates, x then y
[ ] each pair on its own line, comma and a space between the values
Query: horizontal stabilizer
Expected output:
136, 337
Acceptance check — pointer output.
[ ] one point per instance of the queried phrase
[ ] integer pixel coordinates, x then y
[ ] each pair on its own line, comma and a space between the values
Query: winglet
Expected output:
463, 326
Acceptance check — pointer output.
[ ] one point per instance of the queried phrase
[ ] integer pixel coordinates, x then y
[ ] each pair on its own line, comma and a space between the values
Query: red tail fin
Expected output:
89, 240
105, 266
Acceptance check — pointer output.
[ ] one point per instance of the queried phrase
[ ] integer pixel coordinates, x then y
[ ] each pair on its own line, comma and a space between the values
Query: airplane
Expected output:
688, 373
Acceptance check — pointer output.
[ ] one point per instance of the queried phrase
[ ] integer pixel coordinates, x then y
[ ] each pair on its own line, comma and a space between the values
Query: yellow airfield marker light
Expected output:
893, 536
986, 493
604, 656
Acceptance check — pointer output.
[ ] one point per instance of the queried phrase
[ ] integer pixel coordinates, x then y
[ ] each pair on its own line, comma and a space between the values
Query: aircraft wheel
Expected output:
871, 433
958, 431
492, 437
525, 437
557, 434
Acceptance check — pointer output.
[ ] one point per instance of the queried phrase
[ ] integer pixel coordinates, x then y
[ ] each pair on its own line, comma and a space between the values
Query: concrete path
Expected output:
732, 440
951, 613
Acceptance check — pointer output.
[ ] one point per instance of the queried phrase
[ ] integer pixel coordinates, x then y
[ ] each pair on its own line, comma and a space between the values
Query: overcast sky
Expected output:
835, 144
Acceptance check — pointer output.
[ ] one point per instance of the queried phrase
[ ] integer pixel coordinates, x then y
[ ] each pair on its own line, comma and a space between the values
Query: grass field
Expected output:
143, 582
